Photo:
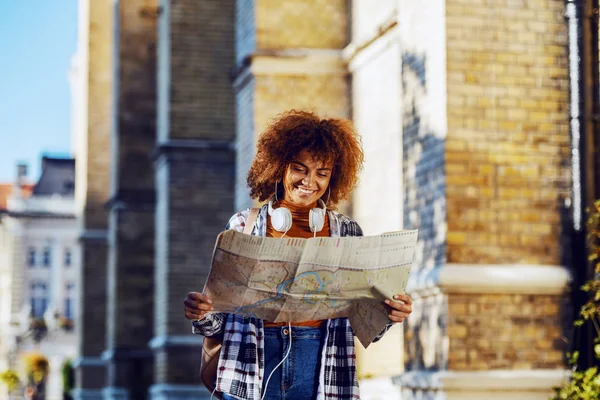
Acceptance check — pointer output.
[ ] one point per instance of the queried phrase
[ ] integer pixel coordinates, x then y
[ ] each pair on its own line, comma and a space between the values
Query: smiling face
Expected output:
306, 179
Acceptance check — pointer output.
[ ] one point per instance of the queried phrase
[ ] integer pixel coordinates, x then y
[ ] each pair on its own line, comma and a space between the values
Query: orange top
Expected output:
301, 229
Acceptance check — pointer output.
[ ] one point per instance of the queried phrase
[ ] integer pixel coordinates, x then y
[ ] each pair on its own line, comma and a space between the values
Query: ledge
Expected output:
290, 62
93, 235
179, 145
357, 54
483, 278
87, 394
170, 391
160, 342
88, 362
495, 380
116, 393
124, 354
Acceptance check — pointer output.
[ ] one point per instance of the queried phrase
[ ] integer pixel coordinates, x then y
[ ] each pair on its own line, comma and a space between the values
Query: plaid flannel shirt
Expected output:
241, 365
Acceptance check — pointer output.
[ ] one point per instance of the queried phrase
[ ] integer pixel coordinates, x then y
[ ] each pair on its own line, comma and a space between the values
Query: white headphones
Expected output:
281, 217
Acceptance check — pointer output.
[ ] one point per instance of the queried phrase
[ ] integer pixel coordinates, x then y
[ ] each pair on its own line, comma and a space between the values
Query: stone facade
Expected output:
486, 192
508, 133
299, 67
463, 112
130, 268
194, 175
94, 83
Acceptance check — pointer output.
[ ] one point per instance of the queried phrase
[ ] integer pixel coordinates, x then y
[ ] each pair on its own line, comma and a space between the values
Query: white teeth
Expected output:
305, 191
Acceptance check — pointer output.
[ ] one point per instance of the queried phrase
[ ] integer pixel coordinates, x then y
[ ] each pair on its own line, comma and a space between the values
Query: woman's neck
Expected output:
296, 208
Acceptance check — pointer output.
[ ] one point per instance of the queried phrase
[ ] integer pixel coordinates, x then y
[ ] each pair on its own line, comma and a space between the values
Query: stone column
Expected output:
194, 163
130, 308
93, 83
485, 144
374, 60
288, 55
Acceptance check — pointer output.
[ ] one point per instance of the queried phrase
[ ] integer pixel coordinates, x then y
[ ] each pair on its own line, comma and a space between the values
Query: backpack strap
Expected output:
250, 221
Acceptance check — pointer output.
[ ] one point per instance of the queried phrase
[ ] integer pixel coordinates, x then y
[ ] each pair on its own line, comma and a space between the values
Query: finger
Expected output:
191, 304
201, 297
403, 297
398, 314
192, 315
204, 307
396, 319
399, 306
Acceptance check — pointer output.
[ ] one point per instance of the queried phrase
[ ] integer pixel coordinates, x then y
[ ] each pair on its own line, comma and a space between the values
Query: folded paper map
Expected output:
294, 279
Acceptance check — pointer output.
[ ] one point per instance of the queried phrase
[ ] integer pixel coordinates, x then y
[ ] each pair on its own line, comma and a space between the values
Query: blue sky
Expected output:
37, 40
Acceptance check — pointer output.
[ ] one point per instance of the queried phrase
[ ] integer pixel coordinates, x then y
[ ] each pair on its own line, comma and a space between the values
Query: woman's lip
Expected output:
306, 190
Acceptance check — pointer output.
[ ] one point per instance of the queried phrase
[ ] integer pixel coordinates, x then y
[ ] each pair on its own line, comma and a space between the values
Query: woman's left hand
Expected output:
400, 308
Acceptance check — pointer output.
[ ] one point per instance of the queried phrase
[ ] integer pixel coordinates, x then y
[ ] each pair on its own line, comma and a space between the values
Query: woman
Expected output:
306, 165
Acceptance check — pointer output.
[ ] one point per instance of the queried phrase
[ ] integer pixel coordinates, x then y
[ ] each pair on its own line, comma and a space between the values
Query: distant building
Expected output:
470, 121
39, 266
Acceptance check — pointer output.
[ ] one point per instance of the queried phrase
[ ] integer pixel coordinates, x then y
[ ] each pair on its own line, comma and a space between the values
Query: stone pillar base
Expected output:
90, 373
179, 392
379, 389
477, 385
115, 393
87, 394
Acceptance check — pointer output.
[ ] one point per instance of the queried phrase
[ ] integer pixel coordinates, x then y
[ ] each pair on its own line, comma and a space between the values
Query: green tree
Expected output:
585, 385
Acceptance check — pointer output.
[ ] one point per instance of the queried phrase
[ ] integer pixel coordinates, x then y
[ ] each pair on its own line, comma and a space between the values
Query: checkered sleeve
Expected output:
238, 221
211, 325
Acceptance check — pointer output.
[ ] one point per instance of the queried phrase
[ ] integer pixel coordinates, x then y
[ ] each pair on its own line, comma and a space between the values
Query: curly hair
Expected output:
329, 140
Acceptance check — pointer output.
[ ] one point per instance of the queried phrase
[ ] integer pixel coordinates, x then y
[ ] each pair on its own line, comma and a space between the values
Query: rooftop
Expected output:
6, 191
58, 177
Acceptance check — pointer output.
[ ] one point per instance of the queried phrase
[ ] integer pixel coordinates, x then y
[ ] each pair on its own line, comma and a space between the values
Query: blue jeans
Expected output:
298, 376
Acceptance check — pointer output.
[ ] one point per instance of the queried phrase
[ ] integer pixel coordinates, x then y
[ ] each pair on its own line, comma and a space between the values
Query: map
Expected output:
294, 279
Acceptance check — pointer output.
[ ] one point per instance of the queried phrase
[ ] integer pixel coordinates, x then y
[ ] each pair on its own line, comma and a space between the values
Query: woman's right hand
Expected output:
197, 305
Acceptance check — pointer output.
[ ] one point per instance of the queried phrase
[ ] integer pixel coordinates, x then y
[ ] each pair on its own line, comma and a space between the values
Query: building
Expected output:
463, 108
39, 272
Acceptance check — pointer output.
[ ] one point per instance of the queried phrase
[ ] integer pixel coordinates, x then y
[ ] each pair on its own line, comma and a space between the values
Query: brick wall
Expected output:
201, 55
136, 96
131, 218
527, 332
507, 130
199, 198
494, 170
99, 81
314, 24
93, 167
326, 94
194, 171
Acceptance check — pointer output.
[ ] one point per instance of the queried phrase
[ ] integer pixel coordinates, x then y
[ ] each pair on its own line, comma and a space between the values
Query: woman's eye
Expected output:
298, 169
323, 175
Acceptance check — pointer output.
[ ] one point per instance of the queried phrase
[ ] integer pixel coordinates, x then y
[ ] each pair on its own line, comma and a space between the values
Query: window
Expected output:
31, 257
39, 299
69, 299
47, 257
68, 257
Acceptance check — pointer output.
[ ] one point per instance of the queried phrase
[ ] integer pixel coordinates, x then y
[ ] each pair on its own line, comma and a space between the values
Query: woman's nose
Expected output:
307, 180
